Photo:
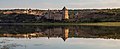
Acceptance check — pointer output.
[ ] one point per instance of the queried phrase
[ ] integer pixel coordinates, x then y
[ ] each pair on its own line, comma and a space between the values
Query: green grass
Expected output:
102, 24
90, 24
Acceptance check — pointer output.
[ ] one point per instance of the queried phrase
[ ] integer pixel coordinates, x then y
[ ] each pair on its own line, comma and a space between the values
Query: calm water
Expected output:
59, 37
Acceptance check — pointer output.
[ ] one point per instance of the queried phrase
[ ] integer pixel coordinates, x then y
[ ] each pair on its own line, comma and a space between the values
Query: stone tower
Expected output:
65, 13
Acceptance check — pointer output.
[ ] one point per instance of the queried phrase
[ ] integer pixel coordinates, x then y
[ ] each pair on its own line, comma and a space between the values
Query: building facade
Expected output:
57, 14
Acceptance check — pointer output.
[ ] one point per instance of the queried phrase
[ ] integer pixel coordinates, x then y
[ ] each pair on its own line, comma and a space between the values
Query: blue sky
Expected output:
58, 4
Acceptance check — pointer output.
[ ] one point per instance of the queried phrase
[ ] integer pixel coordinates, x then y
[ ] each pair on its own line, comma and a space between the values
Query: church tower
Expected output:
65, 13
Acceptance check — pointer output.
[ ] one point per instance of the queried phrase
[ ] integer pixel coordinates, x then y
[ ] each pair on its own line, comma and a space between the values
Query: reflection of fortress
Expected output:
53, 32
63, 32
58, 32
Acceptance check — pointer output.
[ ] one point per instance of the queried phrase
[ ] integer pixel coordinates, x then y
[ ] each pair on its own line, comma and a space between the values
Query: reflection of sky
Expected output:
70, 43
58, 4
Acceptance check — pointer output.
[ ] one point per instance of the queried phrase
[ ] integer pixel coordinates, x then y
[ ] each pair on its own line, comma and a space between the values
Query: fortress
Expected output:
73, 15
57, 14
48, 14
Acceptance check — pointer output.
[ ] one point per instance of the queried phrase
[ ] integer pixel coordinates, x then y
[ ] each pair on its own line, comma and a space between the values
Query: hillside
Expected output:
77, 15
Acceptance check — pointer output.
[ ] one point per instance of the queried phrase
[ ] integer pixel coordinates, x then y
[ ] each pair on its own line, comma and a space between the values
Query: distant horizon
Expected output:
59, 4
58, 8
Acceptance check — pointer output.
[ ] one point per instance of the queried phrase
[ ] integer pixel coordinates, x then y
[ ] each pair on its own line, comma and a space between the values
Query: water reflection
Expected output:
60, 37
60, 31
5, 44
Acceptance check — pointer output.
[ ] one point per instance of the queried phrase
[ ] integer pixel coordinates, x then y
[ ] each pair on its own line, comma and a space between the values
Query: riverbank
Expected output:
90, 24
102, 24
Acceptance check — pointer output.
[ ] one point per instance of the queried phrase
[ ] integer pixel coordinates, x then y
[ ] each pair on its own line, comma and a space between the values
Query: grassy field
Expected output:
102, 24
90, 24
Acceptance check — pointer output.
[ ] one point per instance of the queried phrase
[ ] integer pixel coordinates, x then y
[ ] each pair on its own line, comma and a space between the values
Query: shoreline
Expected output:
87, 24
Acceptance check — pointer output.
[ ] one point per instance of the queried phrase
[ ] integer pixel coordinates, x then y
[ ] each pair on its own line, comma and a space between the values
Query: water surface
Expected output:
59, 37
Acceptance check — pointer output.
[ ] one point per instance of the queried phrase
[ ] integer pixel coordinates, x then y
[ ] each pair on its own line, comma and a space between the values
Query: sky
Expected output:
58, 4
